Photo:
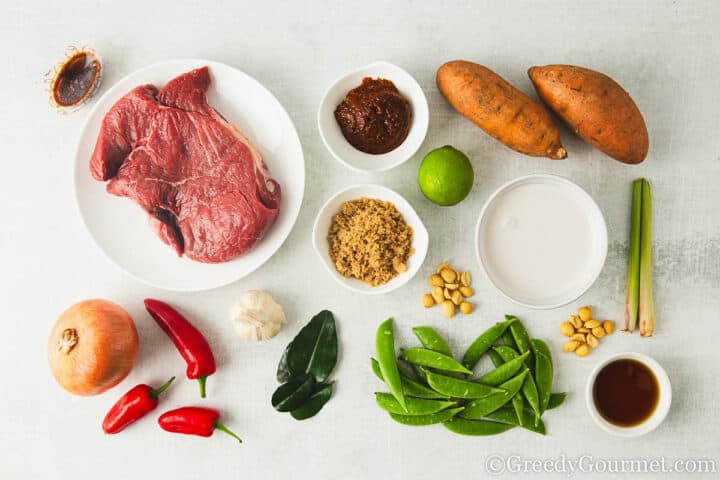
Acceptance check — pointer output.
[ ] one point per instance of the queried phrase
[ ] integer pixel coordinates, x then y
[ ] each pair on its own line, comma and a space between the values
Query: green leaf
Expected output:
313, 351
317, 400
293, 394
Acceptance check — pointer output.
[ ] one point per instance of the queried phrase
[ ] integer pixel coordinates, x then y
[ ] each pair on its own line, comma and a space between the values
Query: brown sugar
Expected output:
369, 240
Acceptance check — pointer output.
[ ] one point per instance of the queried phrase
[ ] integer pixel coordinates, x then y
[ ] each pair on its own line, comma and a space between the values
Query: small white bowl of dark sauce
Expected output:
332, 135
628, 394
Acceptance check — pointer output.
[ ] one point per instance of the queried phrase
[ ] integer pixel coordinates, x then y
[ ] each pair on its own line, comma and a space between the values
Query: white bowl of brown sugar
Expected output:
370, 239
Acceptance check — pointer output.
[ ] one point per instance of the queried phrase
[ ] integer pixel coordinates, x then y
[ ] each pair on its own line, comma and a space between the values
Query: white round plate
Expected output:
120, 227
541, 241
332, 206
350, 156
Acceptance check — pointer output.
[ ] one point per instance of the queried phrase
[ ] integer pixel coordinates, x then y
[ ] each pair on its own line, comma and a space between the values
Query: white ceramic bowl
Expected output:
350, 156
532, 225
661, 410
332, 206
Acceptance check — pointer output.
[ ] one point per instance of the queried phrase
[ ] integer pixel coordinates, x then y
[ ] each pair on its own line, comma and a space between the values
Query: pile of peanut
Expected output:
450, 288
584, 332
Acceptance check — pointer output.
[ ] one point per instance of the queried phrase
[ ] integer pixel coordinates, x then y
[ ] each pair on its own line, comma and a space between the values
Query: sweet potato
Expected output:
503, 111
596, 108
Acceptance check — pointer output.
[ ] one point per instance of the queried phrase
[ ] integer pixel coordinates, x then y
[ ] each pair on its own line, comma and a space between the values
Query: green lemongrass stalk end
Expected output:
633, 282
646, 310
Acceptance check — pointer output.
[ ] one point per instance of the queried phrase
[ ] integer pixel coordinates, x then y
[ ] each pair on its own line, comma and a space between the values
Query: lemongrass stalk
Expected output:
646, 309
633, 282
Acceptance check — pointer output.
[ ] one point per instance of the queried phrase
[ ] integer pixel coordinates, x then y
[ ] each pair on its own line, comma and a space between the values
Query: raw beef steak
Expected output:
206, 188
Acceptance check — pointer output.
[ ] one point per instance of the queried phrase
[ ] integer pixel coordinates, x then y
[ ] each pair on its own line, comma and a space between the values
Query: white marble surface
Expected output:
665, 53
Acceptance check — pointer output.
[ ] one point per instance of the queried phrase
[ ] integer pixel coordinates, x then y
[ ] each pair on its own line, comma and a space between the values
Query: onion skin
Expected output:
92, 347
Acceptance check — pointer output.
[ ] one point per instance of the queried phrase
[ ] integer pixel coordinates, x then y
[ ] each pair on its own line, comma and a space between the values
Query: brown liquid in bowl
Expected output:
626, 392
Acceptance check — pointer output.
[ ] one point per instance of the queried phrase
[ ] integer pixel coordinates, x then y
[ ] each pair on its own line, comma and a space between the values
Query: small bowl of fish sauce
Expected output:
628, 394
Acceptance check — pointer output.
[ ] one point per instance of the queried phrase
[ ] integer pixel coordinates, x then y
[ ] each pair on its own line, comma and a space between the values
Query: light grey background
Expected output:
664, 53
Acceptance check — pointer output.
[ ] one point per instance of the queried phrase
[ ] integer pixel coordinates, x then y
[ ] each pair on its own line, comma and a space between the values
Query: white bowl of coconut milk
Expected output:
541, 240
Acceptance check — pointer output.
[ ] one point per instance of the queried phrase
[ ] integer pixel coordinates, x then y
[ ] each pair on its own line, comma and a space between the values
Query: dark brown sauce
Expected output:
76, 80
626, 392
374, 117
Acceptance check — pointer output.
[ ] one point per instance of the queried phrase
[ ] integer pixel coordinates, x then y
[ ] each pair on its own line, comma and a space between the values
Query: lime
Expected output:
445, 176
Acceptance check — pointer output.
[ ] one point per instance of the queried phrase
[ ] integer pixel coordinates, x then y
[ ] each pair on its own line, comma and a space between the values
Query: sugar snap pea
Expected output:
432, 340
430, 419
507, 415
529, 389
458, 388
476, 427
415, 406
385, 346
429, 358
507, 339
484, 341
518, 401
481, 407
411, 388
522, 340
504, 371
556, 399
543, 371
518, 405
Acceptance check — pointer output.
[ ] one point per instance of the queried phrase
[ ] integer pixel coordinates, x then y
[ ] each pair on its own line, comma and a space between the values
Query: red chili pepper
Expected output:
194, 421
131, 407
187, 339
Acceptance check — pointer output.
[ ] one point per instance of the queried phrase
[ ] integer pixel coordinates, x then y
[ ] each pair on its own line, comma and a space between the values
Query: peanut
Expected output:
448, 308
585, 313
428, 300
575, 320
436, 280
583, 330
580, 337
437, 294
452, 286
466, 291
582, 350
448, 275
599, 332
455, 297
466, 279
566, 329
608, 326
592, 324
466, 308
592, 340
571, 346
442, 267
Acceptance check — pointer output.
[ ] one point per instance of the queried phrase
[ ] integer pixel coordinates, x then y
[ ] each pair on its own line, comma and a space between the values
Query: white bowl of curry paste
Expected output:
374, 118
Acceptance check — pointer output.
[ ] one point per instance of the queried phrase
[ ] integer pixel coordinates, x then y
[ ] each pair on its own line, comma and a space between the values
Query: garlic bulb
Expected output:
256, 316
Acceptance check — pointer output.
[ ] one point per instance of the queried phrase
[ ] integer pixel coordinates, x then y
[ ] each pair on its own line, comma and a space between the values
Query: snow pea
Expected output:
385, 346
476, 427
430, 419
543, 371
431, 359
457, 388
484, 341
504, 371
556, 399
507, 415
481, 407
411, 388
432, 340
522, 340
529, 389
413, 406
